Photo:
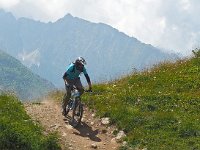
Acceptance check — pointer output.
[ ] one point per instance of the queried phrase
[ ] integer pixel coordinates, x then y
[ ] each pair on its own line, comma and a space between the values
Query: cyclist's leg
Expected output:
67, 96
79, 86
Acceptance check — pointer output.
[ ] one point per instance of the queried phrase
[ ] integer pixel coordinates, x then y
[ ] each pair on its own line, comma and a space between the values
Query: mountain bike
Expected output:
74, 107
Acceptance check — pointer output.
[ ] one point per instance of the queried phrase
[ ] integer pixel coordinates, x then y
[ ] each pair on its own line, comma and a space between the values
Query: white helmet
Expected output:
80, 60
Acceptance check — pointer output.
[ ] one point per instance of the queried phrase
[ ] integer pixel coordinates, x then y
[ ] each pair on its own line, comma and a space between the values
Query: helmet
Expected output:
80, 60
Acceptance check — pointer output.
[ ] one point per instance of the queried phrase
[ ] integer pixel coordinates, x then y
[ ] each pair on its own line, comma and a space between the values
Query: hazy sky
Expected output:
169, 24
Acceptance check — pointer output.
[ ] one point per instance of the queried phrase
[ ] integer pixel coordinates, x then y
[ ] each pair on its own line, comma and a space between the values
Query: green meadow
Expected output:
158, 108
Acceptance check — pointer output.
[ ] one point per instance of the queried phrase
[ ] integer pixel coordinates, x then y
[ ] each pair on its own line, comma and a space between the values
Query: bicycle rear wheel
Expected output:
77, 113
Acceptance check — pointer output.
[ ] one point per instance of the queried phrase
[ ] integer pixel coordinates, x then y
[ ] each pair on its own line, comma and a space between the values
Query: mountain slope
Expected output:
49, 47
17, 78
157, 108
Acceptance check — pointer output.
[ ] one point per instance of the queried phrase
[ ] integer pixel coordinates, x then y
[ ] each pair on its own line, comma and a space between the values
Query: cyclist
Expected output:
71, 78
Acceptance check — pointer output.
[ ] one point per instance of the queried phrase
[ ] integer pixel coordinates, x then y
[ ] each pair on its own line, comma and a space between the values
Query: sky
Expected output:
173, 25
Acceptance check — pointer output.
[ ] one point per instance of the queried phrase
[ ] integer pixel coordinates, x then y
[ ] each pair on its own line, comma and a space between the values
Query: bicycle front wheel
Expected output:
77, 113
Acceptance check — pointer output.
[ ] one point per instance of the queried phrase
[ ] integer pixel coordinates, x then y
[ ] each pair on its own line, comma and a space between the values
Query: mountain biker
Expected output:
71, 78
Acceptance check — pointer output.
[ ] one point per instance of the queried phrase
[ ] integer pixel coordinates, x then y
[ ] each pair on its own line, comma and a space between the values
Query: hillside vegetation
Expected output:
157, 108
17, 78
18, 131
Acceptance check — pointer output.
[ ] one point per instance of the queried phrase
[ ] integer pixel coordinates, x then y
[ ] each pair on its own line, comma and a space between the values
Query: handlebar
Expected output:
88, 91
74, 87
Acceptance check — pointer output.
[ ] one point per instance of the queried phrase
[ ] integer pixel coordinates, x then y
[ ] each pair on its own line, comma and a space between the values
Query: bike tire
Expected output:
77, 114
68, 106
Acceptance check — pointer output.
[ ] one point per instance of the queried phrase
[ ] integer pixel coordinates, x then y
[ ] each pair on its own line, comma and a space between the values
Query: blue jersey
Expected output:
73, 73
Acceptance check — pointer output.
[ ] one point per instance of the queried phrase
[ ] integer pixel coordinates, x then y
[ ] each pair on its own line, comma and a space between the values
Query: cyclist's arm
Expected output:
87, 78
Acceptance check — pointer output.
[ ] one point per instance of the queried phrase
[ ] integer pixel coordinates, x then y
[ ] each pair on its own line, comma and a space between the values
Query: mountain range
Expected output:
47, 48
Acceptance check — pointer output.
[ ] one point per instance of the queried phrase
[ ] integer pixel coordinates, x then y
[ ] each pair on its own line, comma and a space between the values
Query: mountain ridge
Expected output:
59, 43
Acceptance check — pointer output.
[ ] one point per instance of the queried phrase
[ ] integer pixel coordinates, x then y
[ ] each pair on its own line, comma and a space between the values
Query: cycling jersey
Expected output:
73, 73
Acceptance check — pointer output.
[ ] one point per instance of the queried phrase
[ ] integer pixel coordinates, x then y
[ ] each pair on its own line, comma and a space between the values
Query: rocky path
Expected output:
92, 134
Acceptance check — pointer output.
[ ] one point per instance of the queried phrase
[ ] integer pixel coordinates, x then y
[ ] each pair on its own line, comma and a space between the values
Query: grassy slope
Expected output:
17, 130
159, 109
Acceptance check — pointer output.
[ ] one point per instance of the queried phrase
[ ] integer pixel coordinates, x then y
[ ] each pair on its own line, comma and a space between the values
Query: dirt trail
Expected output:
90, 135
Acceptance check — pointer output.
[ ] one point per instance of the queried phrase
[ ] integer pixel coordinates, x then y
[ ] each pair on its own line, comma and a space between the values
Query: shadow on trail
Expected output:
85, 130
